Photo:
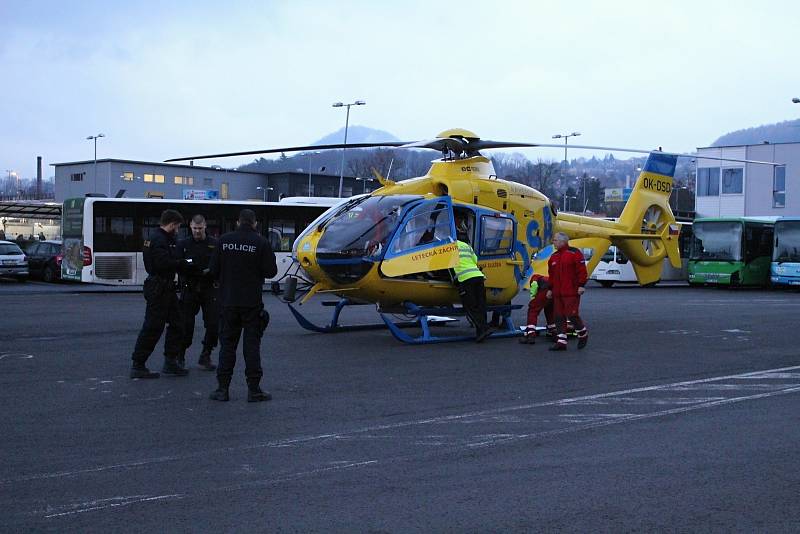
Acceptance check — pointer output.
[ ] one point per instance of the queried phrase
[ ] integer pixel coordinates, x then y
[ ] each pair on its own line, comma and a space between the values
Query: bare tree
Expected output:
380, 160
545, 175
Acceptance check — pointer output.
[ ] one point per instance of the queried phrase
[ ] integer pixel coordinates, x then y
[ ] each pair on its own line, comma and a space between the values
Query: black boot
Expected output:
254, 393
181, 360
205, 360
221, 393
172, 368
140, 370
483, 334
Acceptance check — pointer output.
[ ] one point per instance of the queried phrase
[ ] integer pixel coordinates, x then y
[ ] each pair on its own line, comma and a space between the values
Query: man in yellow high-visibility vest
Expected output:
470, 283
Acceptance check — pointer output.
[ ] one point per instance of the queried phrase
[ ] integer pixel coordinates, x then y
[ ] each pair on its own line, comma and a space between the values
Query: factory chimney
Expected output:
38, 177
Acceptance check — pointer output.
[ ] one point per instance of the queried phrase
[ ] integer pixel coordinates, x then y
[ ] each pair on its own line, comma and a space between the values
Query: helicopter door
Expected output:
425, 241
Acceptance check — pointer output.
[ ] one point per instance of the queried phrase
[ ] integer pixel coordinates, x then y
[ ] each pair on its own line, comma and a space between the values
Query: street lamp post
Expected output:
566, 208
264, 191
310, 155
584, 192
346, 124
565, 137
365, 180
95, 137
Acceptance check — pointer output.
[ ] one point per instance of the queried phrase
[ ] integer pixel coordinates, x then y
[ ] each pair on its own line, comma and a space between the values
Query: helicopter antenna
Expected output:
389, 172
383, 181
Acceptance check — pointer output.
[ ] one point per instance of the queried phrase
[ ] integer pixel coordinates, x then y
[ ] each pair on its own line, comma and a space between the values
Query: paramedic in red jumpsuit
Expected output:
567, 269
539, 301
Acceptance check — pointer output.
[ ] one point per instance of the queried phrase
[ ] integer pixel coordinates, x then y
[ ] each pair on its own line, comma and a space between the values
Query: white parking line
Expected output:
569, 422
301, 440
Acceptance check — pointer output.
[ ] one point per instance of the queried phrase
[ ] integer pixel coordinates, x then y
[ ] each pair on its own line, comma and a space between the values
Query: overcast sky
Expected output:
172, 78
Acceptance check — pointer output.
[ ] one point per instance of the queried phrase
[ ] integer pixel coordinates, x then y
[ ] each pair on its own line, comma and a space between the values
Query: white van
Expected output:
614, 267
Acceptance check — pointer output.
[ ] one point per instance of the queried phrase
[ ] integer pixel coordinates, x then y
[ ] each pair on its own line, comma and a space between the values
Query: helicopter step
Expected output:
339, 305
425, 314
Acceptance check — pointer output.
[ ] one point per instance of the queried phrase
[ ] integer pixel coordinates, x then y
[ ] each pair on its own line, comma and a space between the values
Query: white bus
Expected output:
614, 267
103, 237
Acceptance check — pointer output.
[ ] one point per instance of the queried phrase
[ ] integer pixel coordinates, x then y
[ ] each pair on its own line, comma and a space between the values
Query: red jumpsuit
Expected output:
538, 303
567, 269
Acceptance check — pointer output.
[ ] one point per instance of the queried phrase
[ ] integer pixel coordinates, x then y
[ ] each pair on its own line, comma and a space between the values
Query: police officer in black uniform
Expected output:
241, 261
161, 263
198, 291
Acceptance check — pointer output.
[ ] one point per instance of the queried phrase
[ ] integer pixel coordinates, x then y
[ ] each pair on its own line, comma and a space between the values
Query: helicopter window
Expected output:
430, 224
497, 235
363, 228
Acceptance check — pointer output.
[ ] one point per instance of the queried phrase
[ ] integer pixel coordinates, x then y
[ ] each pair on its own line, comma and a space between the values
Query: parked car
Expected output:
13, 262
44, 260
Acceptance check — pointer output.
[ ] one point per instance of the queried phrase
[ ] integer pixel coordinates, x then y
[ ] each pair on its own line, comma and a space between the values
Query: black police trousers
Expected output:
192, 301
235, 321
162, 309
473, 298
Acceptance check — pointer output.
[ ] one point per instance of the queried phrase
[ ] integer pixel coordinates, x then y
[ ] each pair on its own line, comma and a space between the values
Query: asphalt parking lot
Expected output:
681, 414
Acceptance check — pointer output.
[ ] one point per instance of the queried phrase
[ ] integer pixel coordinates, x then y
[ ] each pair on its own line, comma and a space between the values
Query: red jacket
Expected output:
567, 270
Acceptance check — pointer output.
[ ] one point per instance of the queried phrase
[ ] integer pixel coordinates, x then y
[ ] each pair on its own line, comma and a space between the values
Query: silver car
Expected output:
13, 262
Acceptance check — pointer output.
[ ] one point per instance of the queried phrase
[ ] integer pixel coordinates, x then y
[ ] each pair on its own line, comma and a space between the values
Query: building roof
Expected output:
30, 209
175, 165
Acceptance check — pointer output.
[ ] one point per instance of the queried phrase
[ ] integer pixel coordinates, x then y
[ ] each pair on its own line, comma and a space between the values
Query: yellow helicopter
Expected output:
394, 246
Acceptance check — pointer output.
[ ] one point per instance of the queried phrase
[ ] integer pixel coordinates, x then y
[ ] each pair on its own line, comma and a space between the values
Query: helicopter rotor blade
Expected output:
292, 149
486, 145
466, 145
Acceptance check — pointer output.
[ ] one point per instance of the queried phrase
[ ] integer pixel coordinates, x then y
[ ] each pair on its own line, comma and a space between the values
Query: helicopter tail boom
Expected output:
646, 231
649, 226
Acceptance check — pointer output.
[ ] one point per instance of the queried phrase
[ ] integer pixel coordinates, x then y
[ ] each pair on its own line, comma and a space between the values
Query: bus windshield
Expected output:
717, 241
787, 237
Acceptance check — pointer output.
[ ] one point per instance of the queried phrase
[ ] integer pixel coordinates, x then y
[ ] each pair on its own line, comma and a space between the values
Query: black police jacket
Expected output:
240, 262
160, 255
200, 252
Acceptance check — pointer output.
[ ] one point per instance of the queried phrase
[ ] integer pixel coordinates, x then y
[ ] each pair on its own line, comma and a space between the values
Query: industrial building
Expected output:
733, 189
143, 179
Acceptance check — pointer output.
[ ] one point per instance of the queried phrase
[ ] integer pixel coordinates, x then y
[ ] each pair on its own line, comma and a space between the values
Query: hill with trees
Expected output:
782, 132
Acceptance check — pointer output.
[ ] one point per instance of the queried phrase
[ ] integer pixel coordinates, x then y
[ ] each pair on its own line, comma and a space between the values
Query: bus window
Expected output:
758, 242
685, 240
621, 258
281, 234
113, 234
608, 257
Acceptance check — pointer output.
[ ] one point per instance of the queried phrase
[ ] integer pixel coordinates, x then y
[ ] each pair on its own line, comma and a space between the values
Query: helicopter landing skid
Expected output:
424, 315
334, 325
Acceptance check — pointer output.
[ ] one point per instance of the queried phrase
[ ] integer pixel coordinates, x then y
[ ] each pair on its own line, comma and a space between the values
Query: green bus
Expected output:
731, 251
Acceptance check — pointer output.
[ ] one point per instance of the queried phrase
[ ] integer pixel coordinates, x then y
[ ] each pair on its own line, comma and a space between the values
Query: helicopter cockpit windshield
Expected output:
364, 228
357, 236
